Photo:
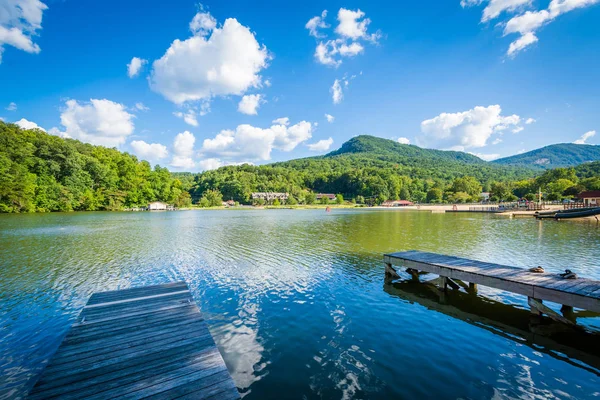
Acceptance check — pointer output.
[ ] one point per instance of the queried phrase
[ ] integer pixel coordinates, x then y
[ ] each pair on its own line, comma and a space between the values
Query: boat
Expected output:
590, 212
553, 213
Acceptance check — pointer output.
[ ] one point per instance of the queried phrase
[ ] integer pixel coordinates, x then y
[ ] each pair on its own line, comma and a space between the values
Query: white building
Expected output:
157, 206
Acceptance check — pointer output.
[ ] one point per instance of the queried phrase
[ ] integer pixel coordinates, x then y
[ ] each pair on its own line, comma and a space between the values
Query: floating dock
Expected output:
454, 271
147, 342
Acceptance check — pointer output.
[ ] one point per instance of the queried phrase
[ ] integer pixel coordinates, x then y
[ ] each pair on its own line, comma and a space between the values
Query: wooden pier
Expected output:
136, 343
455, 271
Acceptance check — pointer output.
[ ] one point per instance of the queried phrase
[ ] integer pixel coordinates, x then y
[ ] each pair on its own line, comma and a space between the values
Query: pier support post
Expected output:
390, 272
414, 274
443, 283
534, 306
472, 288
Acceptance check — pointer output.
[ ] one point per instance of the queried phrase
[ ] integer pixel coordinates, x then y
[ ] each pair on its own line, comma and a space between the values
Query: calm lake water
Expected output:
297, 302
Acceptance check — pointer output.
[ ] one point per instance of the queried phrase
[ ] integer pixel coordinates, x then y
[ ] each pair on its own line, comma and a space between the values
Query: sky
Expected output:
194, 86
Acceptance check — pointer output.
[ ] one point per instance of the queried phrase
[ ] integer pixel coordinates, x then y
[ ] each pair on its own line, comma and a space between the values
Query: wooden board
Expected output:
580, 293
135, 343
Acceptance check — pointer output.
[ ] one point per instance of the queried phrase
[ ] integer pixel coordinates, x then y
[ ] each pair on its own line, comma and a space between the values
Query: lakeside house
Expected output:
228, 203
158, 206
270, 196
397, 203
484, 196
590, 198
330, 196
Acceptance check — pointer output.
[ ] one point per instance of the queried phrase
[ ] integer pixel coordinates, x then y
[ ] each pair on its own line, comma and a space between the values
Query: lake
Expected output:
297, 302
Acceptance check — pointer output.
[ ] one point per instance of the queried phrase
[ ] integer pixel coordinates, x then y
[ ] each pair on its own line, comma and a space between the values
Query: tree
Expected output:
291, 200
434, 195
214, 198
404, 193
324, 199
276, 202
310, 198
339, 199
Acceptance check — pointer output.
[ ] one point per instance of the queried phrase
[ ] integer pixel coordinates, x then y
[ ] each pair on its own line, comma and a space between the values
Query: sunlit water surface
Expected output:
295, 299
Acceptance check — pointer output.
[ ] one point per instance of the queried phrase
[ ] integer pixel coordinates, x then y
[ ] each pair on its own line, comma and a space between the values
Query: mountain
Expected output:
554, 156
395, 151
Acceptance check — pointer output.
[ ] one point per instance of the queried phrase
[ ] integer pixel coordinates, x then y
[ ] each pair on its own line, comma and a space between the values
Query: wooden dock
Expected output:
147, 342
454, 271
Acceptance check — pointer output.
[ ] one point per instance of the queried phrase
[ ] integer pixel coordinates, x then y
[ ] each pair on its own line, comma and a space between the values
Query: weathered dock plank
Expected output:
136, 343
580, 293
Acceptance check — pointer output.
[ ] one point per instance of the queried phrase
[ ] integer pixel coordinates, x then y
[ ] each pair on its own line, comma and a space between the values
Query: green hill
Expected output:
554, 156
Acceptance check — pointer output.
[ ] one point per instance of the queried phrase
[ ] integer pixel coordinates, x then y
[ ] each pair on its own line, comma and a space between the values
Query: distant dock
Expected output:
143, 342
455, 271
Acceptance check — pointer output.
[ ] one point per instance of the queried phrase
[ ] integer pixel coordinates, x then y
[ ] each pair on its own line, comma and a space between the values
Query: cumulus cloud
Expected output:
100, 122
183, 151
321, 145
530, 121
336, 92
583, 139
189, 117
315, 23
486, 157
403, 140
135, 66
12, 106
517, 129
250, 103
25, 124
214, 62
20, 21
350, 35
149, 151
526, 23
250, 143
330, 118
467, 129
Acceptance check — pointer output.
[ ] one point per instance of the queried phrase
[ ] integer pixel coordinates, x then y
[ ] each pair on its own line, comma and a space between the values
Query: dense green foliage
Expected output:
554, 156
41, 172
365, 166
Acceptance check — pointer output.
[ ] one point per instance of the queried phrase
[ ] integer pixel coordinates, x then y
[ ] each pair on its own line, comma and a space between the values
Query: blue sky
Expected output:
440, 74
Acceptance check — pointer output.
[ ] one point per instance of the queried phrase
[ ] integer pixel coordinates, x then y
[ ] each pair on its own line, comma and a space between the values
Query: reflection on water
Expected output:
295, 298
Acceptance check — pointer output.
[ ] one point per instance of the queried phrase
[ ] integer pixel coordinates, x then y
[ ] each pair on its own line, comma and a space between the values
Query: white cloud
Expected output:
330, 118
521, 43
24, 124
464, 130
530, 121
321, 145
336, 92
135, 66
527, 23
202, 24
583, 139
141, 107
517, 129
149, 151
315, 23
250, 103
249, 143
12, 106
497, 141
99, 122
210, 163
228, 62
282, 121
351, 30
403, 140
19, 22
486, 157
183, 151
189, 117
496, 7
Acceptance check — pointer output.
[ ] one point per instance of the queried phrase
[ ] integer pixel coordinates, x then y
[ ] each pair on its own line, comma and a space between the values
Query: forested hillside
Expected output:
42, 172
554, 156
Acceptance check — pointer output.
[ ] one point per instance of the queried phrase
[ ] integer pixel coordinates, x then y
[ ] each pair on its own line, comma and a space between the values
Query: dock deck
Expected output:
581, 293
147, 342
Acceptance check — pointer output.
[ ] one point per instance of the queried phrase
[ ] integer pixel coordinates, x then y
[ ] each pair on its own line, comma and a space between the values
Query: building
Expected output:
484, 196
330, 196
157, 206
397, 203
590, 198
270, 196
